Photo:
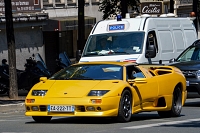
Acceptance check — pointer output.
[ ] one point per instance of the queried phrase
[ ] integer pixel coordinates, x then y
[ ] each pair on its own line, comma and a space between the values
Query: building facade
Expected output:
57, 30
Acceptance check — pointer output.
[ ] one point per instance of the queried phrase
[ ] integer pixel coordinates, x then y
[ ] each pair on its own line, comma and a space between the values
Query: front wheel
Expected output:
125, 107
42, 119
176, 105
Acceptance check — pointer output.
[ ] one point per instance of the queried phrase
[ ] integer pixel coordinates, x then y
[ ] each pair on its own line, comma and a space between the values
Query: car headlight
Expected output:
97, 92
198, 74
39, 92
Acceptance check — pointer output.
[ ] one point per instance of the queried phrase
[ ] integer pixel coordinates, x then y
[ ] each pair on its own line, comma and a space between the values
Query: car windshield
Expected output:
89, 72
193, 53
114, 44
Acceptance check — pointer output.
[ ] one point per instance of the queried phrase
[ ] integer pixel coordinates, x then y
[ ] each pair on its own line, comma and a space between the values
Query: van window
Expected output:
114, 44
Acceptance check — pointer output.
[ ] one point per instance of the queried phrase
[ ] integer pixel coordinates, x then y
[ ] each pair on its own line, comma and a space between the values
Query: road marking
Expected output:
161, 124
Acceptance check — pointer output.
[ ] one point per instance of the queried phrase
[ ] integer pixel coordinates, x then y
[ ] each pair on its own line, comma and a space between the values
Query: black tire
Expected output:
176, 105
42, 119
125, 107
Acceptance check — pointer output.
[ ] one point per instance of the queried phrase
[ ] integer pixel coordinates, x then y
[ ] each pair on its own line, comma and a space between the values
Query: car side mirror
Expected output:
150, 51
172, 60
43, 79
78, 55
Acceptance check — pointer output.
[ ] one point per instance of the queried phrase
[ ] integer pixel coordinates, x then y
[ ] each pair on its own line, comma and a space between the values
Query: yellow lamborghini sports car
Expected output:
108, 89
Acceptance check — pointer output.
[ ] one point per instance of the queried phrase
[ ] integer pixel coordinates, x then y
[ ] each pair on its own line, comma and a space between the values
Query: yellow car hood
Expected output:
75, 88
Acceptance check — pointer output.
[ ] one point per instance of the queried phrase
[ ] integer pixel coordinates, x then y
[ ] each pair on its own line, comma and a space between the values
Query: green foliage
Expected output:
113, 7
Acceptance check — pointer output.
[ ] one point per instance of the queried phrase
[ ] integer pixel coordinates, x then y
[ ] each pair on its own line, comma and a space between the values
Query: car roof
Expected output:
108, 62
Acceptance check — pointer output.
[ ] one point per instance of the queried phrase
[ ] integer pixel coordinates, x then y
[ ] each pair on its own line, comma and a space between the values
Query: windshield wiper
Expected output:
90, 53
121, 52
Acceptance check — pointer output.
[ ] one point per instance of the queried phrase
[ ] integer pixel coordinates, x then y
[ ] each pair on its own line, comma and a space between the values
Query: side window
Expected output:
133, 72
152, 40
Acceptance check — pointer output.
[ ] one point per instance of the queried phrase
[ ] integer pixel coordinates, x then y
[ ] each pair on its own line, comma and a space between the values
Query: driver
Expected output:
103, 45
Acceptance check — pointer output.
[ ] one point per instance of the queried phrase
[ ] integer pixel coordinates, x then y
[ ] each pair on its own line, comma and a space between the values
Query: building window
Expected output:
57, 1
36, 2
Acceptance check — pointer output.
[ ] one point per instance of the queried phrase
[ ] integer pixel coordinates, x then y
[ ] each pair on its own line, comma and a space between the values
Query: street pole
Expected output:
171, 6
13, 89
124, 8
194, 8
81, 24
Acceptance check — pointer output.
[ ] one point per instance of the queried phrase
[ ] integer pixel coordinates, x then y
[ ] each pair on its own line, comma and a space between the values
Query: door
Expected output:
146, 89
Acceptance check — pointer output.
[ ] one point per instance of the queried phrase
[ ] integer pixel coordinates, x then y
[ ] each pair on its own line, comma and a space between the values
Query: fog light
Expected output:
90, 108
30, 100
28, 108
35, 108
98, 108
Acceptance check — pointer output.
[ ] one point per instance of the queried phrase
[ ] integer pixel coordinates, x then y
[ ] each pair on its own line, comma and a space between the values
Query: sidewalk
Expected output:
8, 105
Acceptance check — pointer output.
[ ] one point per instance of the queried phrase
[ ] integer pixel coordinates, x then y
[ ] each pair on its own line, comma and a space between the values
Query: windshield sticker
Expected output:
137, 49
116, 27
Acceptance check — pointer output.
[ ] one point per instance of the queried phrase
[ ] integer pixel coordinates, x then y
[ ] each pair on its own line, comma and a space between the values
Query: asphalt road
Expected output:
17, 122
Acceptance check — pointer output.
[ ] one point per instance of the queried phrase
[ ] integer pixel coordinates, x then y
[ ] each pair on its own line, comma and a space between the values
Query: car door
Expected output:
145, 86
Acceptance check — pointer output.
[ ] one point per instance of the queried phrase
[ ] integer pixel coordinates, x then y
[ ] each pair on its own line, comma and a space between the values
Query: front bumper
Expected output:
194, 85
108, 107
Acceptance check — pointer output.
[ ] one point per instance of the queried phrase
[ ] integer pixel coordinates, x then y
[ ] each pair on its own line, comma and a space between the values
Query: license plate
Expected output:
60, 108
187, 83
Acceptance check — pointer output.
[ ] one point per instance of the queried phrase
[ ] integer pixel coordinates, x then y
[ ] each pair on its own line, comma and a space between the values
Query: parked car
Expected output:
108, 89
189, 63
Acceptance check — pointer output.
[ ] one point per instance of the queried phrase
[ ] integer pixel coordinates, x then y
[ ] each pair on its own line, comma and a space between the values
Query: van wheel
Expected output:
42, 119
125, 107
176, 105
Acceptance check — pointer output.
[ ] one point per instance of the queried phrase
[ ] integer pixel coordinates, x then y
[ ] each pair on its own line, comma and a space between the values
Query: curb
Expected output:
11, 108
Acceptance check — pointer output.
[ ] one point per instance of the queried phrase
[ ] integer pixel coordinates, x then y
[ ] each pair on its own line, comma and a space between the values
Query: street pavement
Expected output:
8, 105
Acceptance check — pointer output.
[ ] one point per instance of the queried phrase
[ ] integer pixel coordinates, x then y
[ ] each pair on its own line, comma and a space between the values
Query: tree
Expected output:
111, 8
13, 90
81, 24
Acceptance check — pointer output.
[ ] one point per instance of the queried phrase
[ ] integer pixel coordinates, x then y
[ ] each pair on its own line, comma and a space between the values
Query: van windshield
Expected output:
114, 44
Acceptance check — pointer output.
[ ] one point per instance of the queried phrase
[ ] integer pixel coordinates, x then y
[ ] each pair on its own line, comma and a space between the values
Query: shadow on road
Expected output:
97, 120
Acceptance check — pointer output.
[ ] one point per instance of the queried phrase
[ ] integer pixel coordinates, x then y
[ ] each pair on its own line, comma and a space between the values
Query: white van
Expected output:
140, 39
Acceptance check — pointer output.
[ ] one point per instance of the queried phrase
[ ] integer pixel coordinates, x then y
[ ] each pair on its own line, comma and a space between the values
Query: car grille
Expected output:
189, 74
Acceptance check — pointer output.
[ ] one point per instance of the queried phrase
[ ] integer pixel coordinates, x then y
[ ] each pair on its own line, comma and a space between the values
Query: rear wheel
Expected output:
125, 107
176, 105
42, 119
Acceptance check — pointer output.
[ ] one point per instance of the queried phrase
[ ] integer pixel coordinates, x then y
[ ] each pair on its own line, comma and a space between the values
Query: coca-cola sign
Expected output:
151, 8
